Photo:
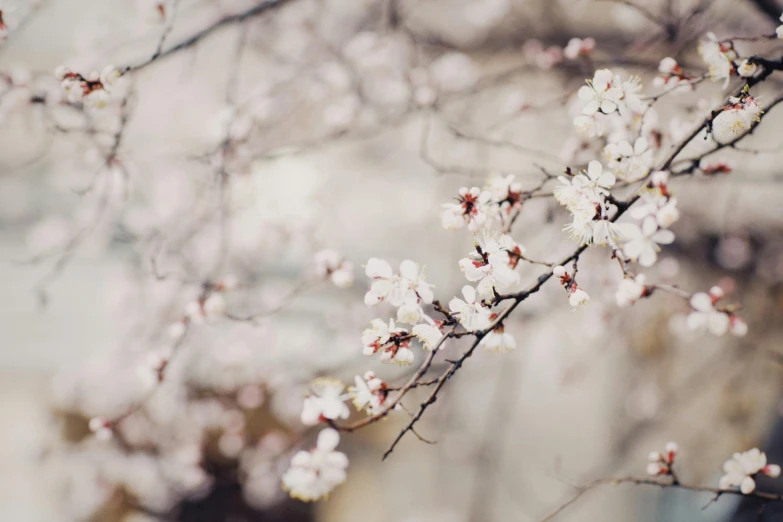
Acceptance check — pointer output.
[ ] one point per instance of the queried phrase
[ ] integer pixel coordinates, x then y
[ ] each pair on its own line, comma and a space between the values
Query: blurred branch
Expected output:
207, 31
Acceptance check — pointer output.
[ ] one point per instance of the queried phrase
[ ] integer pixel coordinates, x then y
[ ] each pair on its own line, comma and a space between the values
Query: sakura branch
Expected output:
739, 477
608, 101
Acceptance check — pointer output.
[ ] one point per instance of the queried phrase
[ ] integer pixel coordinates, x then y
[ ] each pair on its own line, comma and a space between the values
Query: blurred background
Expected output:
344, 125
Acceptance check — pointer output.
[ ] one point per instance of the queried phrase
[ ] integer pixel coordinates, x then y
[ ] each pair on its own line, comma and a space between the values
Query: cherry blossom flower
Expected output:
576, 296
391, 341
663, 209
506, 193
629, 163
410, 312
660, 463
736, 118
706, 318
591, 126
601, 93
472, 314
330, 264
490, 265
747, 69
102, 428
314, 474
498, 340
93, 90
577, 47
779, 30
408, 286
369, 393
741, 469
472, 209
325, 401
630, 290
632, 88
719, 57
641, 243
429, 334
214, 305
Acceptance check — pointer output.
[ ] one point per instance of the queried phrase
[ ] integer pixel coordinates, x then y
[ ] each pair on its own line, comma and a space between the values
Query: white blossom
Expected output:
490, 265
429, 334
630, 290
736, 119
747, 69
325, 401
601, 93
741, 469
719, 58
472, 209
368, 394
472, 314
630, 163
641, 243
409, 285
314, 474
498, 341
330, 264
578, 298
660, 463
391, 341
706, 317
577, 47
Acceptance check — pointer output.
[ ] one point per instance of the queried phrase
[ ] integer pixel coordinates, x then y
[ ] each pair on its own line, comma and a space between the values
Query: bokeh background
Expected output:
345, 125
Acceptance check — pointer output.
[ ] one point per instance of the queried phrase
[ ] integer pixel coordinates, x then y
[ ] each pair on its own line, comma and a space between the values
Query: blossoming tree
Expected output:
201, 397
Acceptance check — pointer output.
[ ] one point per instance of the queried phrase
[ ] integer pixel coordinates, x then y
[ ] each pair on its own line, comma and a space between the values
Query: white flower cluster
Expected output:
657, 212
577, 47
369, 394
473, 208
607, 94
719, 57
492, 264
576, 296
314, 474
92, 90
584, 195
331, 265
660, 463
705, 317
325, 402
470, 311
741, 470
672, 77
736, 118
629, 162
630, 290
407, 291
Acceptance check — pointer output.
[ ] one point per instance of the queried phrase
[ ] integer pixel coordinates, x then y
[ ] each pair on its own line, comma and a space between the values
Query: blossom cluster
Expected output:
92, 90
705, 317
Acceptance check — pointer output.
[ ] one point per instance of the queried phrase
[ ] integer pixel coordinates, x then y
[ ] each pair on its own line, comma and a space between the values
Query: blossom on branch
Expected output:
491, 265
330, 264
741, 470
472, 314
705, 317
326, 401
660, 463
409, 285
369, 393
391, 341
473, 208
314, 474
